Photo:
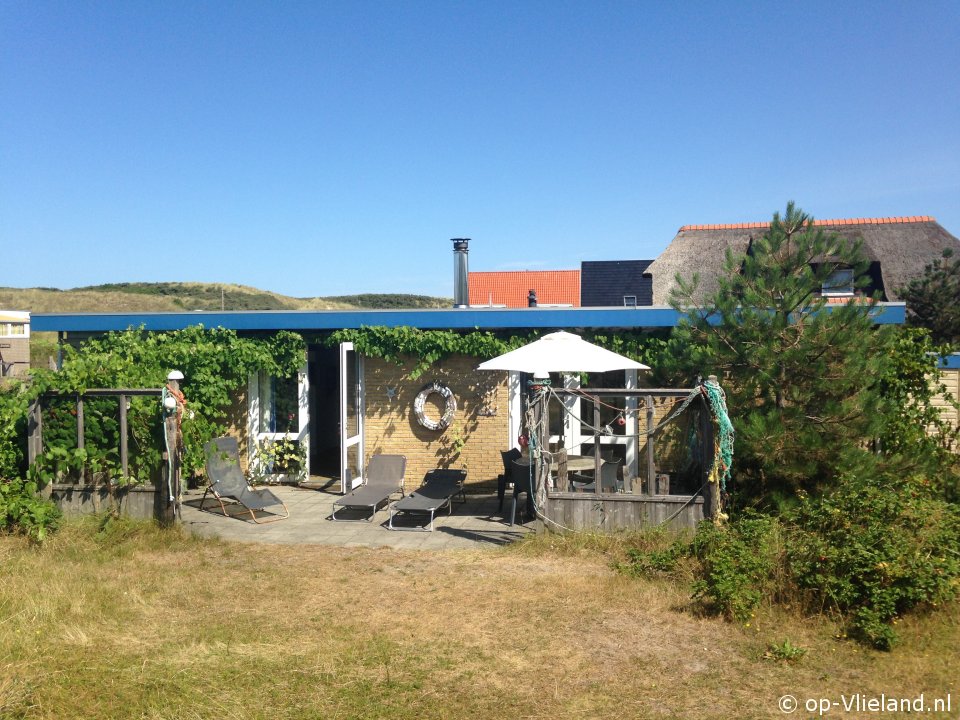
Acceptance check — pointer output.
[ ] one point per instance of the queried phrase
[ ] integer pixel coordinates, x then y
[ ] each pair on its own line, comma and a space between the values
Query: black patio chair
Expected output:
384, 477
438, 491
227, 482
523, 483
508, 456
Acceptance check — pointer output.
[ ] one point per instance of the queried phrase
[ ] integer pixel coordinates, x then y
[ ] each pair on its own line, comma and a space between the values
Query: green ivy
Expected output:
216, 365
426, 347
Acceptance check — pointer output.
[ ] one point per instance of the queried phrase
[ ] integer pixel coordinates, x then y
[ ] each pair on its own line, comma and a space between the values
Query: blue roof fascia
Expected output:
450, 319
950, 362
454, 319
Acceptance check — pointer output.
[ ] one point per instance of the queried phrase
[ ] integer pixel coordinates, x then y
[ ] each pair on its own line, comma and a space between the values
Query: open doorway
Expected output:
323, 369
336, 402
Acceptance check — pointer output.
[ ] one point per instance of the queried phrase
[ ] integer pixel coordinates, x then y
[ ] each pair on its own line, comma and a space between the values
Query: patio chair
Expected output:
227, 482
609, 479
439, 489
522, 483
384, 477
508, 456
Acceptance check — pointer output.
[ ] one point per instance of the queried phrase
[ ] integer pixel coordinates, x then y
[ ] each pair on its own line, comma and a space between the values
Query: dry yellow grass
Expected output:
143, 624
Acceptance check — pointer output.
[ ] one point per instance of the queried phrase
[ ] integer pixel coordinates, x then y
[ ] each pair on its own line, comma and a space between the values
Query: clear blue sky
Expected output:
325, 148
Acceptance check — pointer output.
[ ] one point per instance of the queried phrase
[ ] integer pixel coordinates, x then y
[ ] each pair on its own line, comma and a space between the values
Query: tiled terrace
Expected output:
474, 524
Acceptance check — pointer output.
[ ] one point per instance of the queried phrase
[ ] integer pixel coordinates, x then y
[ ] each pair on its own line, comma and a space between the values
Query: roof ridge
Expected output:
524, 272
841, 221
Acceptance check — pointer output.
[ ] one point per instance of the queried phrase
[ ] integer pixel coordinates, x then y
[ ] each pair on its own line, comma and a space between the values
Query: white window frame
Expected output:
258, 389
573, 437
834, 289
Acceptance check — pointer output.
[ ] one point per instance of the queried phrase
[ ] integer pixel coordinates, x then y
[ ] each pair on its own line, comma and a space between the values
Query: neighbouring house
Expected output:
14, 343
612, 283
525, 288
598, 283
898, 248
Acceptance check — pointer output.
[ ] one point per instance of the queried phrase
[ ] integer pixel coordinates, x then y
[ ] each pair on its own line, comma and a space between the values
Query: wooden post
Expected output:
169, 492
35, 440
541, 464
711, 500
80, 432
597, 457
123, 436
651, 458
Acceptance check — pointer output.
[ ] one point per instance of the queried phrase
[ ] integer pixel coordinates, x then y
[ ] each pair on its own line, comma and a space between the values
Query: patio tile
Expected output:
474, 524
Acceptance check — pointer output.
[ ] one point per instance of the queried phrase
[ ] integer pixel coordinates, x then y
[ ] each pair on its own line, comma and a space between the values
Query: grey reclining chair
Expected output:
227, 482
439, 489
384, 477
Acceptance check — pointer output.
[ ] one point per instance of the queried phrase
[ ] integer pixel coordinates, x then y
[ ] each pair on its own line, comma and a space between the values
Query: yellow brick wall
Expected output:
237, 422
481, 420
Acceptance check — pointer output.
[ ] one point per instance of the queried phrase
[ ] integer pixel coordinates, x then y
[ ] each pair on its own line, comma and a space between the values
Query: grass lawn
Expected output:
138, 623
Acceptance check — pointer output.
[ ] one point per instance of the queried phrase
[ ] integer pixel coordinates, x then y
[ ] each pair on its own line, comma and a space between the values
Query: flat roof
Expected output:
449, 319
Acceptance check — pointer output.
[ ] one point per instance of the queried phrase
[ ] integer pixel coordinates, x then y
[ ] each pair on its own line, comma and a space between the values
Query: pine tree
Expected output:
933, 301
797, 369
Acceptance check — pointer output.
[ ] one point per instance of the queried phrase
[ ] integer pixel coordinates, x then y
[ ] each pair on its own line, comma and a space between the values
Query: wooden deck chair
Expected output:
439, 489
384, 477
227, 482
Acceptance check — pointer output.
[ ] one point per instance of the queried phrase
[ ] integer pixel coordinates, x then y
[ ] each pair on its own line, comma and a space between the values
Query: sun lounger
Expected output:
439, 489
384, 477
227, 482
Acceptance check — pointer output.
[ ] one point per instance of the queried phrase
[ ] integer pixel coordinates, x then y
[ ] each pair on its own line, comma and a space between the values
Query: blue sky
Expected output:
326, 148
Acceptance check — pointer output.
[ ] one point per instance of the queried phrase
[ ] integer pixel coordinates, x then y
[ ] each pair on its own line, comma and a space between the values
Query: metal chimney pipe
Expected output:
461, 289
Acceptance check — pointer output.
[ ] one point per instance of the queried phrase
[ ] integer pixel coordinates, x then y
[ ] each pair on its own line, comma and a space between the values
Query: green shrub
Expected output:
873, 549
739, 564
22, 510
656, 560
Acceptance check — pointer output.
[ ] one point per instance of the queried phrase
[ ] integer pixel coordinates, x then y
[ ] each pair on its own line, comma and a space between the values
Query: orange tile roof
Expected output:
554, 287
844, 221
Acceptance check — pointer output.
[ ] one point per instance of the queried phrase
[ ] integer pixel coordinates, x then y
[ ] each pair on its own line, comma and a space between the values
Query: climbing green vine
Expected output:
425, 347
216, 365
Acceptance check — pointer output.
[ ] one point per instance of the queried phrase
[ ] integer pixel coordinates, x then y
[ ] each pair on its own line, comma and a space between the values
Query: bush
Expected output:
22, 510
873, 549
739, 564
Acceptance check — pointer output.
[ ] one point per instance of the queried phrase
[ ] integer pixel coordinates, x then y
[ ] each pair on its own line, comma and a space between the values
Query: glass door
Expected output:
351, 417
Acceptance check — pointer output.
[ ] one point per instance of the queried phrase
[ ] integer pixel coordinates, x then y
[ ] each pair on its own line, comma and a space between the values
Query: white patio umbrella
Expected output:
561, 352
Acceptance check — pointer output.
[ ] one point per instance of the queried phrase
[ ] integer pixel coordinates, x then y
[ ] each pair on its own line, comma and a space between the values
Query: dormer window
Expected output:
630, 301
840, 283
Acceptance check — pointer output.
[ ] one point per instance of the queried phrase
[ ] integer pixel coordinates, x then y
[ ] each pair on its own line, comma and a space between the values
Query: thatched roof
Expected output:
903, 247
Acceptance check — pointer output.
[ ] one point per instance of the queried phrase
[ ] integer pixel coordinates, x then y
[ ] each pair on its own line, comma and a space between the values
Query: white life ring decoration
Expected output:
449, 406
